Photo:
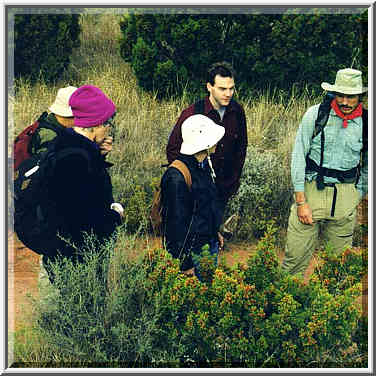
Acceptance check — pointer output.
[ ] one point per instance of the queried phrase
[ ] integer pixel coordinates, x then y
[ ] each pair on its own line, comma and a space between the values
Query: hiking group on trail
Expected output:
63, 190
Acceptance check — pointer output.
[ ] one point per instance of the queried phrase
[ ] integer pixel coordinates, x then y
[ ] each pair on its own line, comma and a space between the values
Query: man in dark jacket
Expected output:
229, 157
80, 185
191, 216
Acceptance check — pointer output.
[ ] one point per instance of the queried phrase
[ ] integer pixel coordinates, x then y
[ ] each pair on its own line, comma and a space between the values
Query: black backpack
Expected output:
36, 218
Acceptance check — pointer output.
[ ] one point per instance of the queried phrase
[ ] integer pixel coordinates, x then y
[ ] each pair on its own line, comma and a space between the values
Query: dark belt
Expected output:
347, 176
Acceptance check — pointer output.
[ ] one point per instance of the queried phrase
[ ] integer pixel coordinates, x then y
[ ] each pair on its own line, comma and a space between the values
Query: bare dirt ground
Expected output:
23, 271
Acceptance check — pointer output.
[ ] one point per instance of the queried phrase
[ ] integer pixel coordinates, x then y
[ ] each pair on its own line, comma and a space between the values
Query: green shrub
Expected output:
341, 271
359, 353
43, 44
136, 210
252, 315
300, 45
264, 194
167, 51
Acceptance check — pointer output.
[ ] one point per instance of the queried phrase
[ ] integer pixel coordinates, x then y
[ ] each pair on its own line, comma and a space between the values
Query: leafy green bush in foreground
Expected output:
253, 315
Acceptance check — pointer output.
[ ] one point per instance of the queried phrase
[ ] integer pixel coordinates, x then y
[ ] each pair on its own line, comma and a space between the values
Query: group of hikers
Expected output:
329, 170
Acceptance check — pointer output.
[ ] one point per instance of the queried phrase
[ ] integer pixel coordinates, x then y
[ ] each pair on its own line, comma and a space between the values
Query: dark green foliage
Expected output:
43, 44
170, 52
310, 48
264, 194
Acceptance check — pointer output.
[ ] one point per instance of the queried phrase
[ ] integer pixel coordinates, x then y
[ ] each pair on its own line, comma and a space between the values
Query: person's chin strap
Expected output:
212, 173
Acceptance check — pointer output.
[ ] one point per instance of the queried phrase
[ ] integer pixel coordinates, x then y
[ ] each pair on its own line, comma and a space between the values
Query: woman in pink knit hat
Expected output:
81, 185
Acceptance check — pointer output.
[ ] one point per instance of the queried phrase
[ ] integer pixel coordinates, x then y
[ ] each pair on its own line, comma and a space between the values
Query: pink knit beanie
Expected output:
90, 106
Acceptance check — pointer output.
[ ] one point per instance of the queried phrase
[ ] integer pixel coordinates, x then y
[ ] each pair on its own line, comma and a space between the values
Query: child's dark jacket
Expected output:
190, 218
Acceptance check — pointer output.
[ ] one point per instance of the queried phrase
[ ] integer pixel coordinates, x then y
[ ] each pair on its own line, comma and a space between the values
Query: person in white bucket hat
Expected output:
329, 171
61, 106
57, 120
191, 215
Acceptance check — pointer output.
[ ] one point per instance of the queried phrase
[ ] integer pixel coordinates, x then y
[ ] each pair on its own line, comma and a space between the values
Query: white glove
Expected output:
118, 208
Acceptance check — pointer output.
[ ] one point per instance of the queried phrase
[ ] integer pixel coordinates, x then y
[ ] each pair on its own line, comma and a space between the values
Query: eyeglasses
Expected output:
110, 122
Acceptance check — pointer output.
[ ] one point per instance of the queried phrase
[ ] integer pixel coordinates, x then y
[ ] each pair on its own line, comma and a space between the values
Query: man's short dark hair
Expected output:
222, 68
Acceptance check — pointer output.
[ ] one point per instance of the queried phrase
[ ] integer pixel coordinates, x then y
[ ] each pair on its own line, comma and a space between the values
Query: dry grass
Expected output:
143, 122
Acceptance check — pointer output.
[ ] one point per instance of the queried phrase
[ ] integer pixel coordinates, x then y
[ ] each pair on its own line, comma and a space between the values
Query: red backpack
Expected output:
29, 142
36, 219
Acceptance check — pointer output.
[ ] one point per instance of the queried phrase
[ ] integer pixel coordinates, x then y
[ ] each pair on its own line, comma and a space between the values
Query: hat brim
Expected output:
343, 89
60, 110
216, 135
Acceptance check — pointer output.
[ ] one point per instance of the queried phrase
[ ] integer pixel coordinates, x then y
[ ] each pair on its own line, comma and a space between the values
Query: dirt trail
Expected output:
23, 271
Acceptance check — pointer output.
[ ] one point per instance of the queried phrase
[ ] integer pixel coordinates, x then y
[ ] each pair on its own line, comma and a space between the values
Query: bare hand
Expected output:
305, 214
106, 145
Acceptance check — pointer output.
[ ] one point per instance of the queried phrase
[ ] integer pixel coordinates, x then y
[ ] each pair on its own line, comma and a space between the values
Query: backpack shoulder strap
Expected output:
184, 170
43, 116
44, 123
199, 106
323, 114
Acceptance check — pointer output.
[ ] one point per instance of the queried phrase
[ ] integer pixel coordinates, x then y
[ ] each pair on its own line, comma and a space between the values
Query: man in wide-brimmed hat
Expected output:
329, 170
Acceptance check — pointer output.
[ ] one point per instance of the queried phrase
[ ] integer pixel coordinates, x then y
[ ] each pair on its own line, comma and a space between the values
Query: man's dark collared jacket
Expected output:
229, 157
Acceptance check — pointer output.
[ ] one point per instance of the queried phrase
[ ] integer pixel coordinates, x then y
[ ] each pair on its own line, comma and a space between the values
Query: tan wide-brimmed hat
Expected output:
61, 105
348, 81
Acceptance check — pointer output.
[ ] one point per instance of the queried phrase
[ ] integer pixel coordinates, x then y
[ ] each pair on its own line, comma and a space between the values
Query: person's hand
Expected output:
106, 145
305, 214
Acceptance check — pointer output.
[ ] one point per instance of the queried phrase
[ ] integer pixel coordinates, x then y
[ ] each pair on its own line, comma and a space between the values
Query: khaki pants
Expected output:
338, 229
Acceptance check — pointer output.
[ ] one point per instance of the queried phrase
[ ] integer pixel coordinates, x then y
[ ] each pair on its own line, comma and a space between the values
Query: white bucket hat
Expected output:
348, 81
199, 133
61, 105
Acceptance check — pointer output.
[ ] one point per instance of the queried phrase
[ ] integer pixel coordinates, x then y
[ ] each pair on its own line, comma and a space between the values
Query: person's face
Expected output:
101, 132
347, 103
212, 149
221, 93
